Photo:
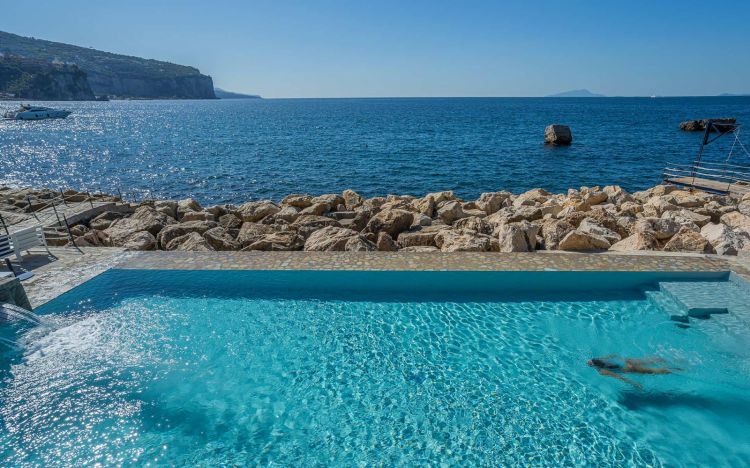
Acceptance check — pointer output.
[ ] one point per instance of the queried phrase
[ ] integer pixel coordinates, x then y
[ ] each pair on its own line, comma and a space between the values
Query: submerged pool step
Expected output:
705, 298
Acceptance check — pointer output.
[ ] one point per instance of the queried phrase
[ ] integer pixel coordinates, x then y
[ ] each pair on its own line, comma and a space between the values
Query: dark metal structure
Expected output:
724, 178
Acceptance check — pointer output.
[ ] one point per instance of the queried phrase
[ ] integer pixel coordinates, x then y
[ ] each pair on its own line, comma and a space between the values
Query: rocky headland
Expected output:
590, 219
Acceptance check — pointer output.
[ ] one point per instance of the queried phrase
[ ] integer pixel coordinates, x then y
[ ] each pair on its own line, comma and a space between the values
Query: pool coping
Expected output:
73, 268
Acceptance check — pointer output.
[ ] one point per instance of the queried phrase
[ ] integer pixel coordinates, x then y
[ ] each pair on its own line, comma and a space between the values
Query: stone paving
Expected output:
71, 268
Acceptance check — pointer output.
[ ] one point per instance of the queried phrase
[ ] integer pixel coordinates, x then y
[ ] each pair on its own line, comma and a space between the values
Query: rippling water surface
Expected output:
136, 367
232, 151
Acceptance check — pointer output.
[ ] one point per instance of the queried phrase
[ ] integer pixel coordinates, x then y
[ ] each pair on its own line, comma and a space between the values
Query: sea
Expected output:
231, 151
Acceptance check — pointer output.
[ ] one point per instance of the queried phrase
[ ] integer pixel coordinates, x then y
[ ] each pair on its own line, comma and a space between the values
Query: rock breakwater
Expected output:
589, 219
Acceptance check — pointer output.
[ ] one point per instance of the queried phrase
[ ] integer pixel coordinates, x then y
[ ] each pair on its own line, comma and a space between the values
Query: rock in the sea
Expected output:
191, 241
700, 125
141, 240
558, 135
687, 240
581, 241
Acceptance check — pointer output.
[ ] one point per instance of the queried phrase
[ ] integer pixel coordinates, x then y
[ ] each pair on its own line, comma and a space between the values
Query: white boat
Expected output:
27, 112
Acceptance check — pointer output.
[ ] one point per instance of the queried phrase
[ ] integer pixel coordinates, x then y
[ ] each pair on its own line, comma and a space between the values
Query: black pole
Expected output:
62, 196
88, 194
5, 226
28, 200
10, 266
56, 215
70, 234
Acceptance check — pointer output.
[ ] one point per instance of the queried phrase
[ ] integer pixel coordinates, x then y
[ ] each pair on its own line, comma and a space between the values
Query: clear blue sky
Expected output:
323, 48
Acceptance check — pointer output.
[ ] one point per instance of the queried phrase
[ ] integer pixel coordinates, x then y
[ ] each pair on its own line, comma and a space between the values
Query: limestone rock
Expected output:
329, 239
173, 231
144, 219
219, 239
316, 209
450, 212
553, 231
687, 240
351, 199
197, 216
580, 241
386, 243
491, 202
558, 135
723, 239
297, 200
278, 241
737, 220
252, 232
191, 241
474, 223
517, 237
590, 226
141, 240
420, 237
307, 224
391, 221
186, 205
359, 243
449, 240
531, 198
230, 221
168, 207
420, 248
637, 241
252, 212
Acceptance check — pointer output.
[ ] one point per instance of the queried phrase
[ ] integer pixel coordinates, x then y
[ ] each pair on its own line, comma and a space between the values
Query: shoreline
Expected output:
596, 219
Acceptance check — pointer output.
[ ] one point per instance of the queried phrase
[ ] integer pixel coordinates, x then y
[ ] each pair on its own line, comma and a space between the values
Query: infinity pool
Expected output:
371, 368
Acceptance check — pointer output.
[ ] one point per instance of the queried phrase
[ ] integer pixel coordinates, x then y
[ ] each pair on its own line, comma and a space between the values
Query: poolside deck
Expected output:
54, 276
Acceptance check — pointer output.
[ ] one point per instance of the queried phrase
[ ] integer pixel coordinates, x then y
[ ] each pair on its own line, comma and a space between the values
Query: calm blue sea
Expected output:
232, 151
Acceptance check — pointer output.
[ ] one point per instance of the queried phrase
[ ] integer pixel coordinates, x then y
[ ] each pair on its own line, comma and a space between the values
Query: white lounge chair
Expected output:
27, 238
5, 248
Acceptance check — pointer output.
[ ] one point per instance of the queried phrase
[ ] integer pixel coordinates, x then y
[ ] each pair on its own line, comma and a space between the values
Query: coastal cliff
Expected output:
116, 75
30, 79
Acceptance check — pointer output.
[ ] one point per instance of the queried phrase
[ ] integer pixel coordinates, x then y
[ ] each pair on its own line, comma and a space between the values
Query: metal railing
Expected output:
708, 175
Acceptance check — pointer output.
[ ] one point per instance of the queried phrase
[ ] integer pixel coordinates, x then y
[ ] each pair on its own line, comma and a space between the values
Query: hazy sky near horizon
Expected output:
338, 48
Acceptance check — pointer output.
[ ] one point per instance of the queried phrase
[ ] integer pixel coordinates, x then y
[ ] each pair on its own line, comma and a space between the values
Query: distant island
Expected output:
732, 95
113, 75
222, 94
576, 93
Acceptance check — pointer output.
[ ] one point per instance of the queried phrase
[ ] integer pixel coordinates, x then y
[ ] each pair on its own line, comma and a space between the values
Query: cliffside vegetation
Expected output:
114, 74
31, 79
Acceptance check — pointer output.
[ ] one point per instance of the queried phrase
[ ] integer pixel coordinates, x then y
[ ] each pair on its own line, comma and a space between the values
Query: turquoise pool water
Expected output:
347, 368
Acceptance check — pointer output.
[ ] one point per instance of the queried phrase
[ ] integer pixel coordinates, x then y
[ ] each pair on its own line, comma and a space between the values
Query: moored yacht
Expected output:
27, 112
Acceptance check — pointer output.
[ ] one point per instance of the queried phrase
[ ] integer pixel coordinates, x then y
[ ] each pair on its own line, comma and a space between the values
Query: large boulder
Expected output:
558, 135
687, 240
278, 241
191, 241
592, 227
359, 243
145, 218
723, 239
464, 240
197, 216
252, 232
230, 221
737, 221
450, 212
531, 198
474, 223
391, 221
658, 228
385, 243
635, 242
581, 241
141, 240
553, 231
517, 237
421, 237
330, 239
174, 231
168, 207
219, 239
351, 199
491, 202
185, 206
307, 224
252, 212
297, 200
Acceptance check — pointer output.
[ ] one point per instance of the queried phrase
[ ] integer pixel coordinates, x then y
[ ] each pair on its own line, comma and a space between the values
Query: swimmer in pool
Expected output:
609, 368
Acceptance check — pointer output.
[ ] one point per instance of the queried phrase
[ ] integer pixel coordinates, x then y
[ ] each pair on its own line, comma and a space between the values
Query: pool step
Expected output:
704, 298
